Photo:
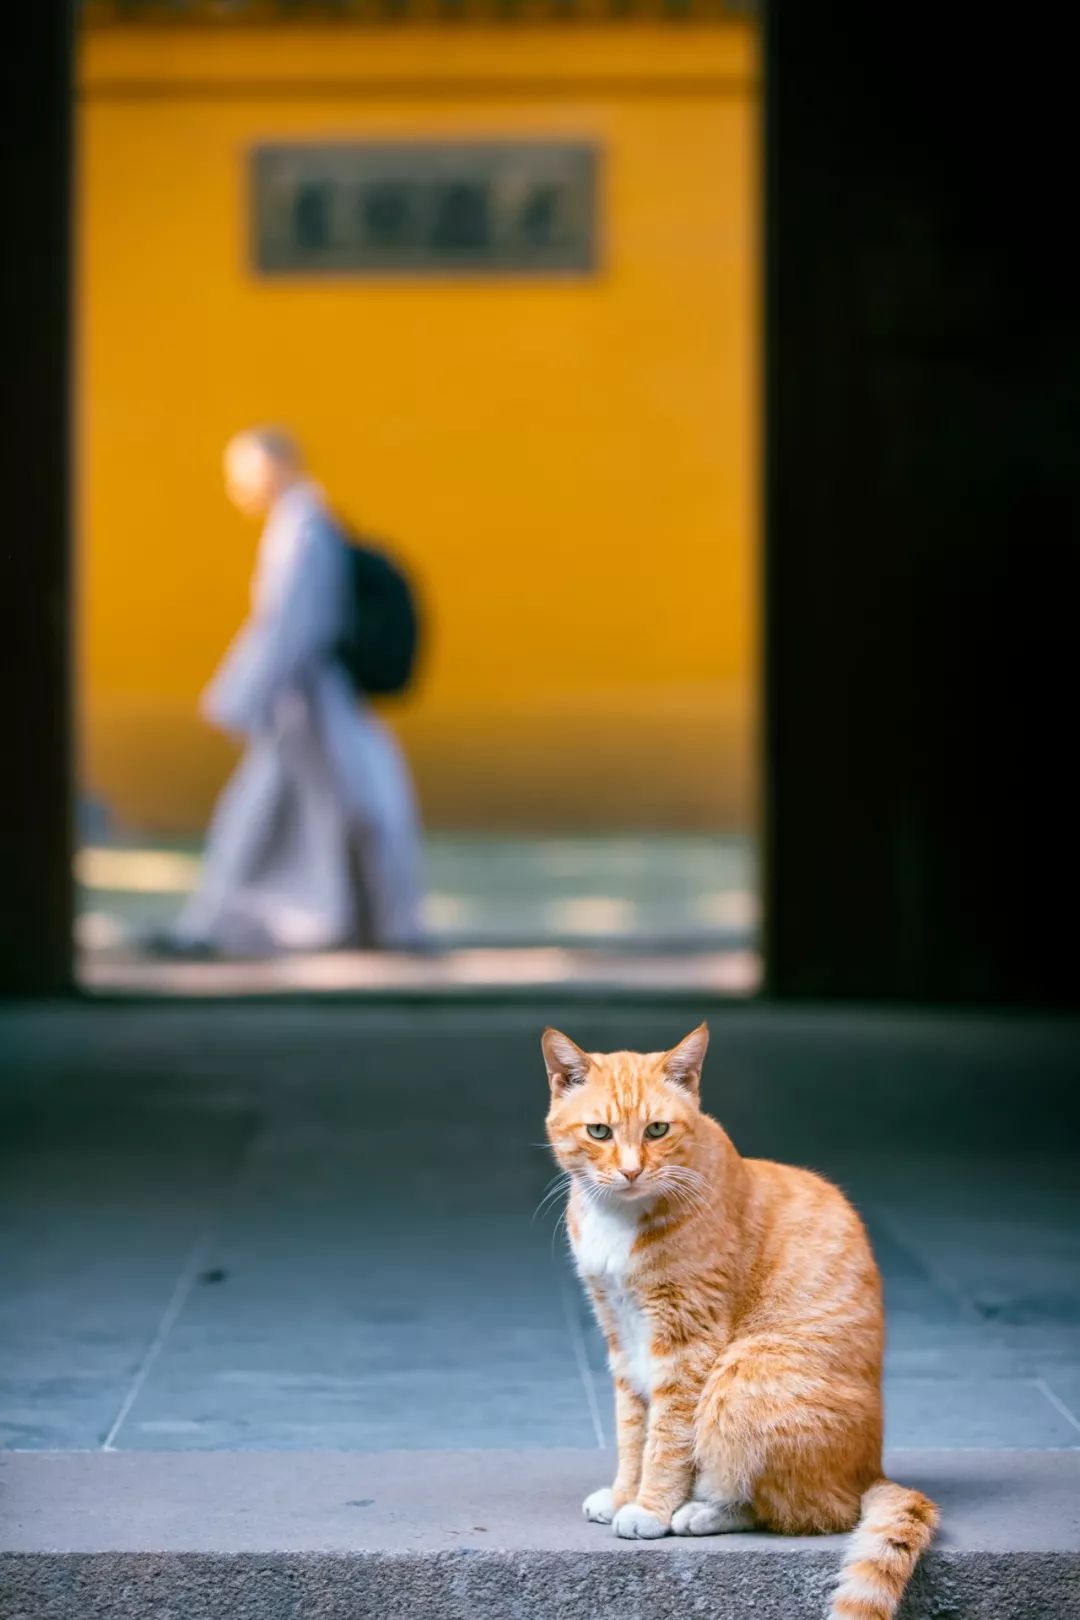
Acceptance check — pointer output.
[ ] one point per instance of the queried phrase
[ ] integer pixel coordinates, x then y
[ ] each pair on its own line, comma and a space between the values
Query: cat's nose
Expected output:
631, 1175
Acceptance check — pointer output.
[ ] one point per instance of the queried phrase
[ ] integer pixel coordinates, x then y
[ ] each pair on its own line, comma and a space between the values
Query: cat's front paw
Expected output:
712, 1518
635, 1523
599, 1507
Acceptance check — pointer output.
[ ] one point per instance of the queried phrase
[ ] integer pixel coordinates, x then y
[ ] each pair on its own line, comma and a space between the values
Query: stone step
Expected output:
483, 1535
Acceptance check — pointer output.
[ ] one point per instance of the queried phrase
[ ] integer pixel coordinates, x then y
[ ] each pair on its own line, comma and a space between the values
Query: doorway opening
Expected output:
501, 280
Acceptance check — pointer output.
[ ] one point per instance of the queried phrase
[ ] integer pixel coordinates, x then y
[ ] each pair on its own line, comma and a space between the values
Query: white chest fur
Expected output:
602, 1252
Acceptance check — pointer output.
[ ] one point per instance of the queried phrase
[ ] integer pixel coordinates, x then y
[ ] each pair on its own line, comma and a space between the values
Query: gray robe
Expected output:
315, 840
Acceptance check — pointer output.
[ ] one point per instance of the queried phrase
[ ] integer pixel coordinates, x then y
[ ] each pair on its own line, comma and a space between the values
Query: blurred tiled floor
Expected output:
286, 1227
663, 890
646, 912
657, 913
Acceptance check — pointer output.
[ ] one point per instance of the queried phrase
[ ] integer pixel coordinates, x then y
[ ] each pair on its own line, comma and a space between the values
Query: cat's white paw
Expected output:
600, 1506
711, 1518
636, 1523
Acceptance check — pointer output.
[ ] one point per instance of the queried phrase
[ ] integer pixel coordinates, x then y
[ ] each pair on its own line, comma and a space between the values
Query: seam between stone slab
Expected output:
187, 1276
185, 1282
1043, 1386
581, 1358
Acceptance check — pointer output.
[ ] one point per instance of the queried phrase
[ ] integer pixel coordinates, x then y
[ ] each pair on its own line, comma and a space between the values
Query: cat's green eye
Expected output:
599, 1133
657, 1127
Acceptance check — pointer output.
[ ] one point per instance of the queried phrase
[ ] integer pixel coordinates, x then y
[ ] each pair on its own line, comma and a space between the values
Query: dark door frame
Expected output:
36, 787
921, 471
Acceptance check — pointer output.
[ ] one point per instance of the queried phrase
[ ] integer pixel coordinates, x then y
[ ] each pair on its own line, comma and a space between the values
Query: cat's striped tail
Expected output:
895, 1527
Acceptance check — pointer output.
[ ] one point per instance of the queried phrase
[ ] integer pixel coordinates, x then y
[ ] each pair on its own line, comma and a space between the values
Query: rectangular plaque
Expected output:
428, 208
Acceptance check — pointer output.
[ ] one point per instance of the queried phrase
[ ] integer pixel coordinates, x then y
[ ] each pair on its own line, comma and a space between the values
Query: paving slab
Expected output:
459, 1534
955, 1410
100, 1209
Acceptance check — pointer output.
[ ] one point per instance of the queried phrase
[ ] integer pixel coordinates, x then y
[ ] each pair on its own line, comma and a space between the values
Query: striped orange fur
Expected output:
742, 1309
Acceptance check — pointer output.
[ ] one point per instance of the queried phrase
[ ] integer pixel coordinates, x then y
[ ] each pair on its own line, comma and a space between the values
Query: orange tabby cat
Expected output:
742, 1309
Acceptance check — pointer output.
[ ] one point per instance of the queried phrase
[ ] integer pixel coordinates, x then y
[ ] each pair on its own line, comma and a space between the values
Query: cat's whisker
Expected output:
595, 1195
549, 1197
558, 1184
676, 1196
690, 1191
553, 1189
542, 1208
552, 1186
683, 1188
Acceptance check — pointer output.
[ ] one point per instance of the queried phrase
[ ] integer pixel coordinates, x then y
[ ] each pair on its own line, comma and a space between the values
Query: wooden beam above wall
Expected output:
397, 13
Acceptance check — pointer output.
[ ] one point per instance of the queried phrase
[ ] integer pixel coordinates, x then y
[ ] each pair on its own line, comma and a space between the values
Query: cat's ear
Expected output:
567, 1065
684, 1062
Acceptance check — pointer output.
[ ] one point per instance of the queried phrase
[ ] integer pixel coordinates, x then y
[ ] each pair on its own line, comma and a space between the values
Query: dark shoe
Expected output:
174, 948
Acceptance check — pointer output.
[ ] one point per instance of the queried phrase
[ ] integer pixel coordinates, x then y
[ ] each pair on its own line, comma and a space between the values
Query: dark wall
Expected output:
921, 570
35, 788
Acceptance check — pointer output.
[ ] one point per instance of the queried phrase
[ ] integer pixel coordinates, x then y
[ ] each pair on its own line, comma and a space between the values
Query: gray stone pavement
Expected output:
302, 1228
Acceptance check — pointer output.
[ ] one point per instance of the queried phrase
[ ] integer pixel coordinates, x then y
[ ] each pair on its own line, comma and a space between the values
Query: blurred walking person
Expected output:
315, 841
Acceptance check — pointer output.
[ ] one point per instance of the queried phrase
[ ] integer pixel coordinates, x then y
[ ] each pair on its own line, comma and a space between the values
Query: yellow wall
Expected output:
569, 465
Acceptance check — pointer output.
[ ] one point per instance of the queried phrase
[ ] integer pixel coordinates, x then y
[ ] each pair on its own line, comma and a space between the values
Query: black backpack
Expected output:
378, 651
